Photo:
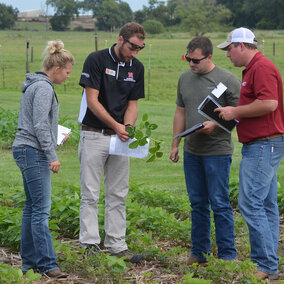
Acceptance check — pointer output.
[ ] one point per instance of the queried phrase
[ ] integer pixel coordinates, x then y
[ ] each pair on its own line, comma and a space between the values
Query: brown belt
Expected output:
264, 138
100, 130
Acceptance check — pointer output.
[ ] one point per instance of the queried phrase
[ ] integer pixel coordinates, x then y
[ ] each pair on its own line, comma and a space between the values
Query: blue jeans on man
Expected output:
36, 241
258, 199
207, 182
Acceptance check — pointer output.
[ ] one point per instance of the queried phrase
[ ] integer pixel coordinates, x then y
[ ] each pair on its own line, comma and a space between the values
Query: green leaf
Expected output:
151, 159
159, 154
143, 141
134, 144
33, 276
138, 134
153, 150
145, 117
157, 145
153, 126
148, 132
130, 131
20, 273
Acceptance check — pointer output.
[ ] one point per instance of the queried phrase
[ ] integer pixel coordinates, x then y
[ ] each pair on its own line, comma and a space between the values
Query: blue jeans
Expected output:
207, 182
36, 242
258, 200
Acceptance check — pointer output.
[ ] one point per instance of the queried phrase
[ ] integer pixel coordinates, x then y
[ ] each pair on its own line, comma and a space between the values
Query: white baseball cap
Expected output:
239, 35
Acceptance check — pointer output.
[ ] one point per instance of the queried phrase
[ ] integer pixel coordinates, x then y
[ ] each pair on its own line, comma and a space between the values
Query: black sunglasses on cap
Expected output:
194, 60
135, 46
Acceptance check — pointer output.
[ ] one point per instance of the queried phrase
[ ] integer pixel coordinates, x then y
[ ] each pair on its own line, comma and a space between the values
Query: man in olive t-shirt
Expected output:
207, 152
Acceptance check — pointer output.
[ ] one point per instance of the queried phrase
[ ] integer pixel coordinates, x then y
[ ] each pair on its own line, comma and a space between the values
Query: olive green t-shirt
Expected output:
192, 90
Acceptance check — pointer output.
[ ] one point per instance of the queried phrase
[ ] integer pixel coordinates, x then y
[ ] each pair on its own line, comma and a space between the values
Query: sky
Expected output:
22, 5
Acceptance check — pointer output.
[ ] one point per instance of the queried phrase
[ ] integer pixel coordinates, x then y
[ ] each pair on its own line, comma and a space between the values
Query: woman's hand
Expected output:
67, 136
54, 166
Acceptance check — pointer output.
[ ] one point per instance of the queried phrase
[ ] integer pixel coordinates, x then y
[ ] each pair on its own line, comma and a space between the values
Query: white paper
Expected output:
61, 130
219, 90
118, 147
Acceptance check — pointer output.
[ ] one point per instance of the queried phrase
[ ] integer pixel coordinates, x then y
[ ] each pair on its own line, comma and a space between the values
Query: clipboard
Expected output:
206, 108
190, 130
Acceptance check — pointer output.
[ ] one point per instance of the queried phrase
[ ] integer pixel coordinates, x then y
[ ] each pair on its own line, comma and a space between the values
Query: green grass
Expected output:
159, 103
165, 53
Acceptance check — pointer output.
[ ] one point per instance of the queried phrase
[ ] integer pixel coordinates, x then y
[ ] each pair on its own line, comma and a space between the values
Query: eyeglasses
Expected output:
194, 60
135, 46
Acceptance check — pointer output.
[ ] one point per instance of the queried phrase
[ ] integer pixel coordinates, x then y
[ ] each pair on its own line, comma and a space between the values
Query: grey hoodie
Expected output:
38, 117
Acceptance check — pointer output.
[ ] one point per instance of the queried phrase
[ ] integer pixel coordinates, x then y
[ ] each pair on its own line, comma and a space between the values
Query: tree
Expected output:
64, 12
8, 16
157, 10
236, 7
263, 14
201, 16
162, 14
91, 5
140, 16
153, 27
268, 14
59, 22
111, 14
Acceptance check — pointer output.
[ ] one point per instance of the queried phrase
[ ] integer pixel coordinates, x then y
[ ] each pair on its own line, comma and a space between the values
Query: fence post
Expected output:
273, 48
32, 55
149, 72
27, 57
96, 41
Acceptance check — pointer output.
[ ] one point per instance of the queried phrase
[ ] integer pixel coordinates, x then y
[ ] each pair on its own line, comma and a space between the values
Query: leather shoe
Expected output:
260, 275
191, 260
56, 274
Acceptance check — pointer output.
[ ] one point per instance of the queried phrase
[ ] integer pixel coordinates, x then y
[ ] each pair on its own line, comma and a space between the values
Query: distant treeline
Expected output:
196, 16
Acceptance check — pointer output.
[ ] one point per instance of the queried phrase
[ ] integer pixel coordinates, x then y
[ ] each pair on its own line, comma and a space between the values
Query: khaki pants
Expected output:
94, 160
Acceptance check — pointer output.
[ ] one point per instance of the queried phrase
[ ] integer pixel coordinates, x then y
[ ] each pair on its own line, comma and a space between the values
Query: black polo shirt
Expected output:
117, 82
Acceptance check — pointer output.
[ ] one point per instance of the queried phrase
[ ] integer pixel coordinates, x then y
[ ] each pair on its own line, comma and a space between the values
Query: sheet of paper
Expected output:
219, 90
61, 130
117, 147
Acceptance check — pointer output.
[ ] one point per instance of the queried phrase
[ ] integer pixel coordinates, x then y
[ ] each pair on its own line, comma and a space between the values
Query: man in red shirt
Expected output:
260, 129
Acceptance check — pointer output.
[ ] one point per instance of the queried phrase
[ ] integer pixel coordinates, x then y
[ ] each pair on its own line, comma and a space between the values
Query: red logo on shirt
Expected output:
130, 75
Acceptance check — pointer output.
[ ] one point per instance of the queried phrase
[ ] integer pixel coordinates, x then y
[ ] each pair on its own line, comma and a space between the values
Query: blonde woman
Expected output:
34, 151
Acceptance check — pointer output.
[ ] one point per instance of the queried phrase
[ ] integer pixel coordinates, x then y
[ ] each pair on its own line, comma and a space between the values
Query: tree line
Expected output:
196, 16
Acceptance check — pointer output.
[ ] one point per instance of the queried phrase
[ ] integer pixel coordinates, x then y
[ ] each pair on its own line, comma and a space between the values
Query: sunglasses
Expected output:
194, 60
135, 46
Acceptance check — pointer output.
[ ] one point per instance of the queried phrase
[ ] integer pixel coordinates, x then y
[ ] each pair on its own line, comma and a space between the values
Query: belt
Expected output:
264, 138
100, 130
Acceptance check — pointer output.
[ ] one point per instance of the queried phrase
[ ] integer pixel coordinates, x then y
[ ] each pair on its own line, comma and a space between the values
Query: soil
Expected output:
137, 272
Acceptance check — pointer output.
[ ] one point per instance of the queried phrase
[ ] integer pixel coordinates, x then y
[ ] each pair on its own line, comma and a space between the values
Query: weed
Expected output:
8, 127
15, 275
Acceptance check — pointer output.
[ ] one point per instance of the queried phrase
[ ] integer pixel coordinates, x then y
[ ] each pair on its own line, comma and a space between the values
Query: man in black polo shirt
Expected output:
113, 81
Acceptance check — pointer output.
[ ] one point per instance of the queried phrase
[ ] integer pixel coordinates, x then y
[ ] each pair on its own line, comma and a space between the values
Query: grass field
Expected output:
164, 52
165, 68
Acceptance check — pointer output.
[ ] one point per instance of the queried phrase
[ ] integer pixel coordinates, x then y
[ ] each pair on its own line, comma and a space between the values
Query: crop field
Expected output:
158, 210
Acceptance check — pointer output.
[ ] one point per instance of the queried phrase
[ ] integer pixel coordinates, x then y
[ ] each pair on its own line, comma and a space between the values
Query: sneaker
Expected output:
56, 274
129, 256
93, 251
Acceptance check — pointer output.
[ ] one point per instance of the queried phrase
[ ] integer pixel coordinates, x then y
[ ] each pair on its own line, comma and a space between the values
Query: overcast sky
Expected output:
23, 5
